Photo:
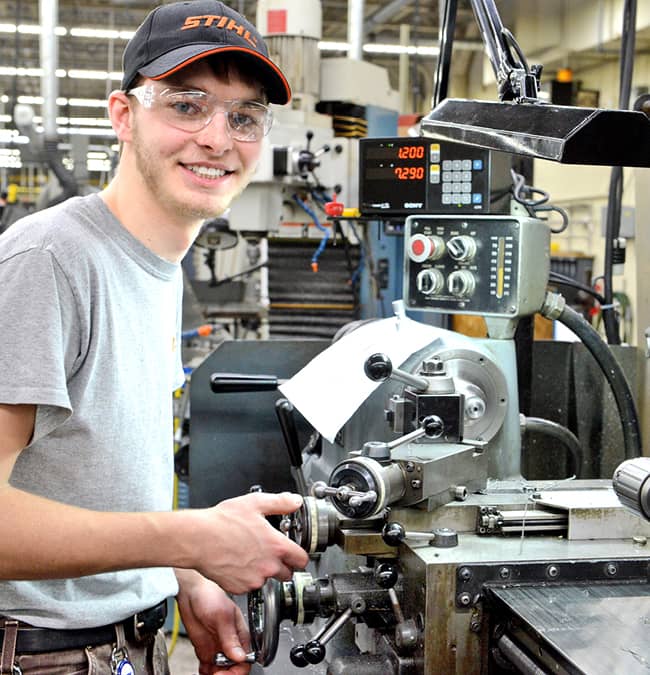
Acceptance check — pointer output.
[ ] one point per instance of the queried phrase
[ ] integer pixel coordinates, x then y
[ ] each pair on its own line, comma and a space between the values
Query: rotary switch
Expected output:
429, 281
462, 248
461, 283
422, 248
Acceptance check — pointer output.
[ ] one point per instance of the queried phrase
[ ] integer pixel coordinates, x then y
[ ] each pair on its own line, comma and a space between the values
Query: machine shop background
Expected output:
278, 279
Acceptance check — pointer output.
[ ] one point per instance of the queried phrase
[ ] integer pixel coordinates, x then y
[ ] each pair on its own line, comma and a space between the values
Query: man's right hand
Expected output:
239, 549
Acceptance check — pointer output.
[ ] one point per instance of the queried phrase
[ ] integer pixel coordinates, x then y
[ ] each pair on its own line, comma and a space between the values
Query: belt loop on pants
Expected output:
8, 655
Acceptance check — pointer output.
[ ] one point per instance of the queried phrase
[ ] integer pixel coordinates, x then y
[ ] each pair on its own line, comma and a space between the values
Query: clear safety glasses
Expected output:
188, 110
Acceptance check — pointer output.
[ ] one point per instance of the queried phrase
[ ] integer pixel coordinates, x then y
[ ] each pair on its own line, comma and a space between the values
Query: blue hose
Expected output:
322, 228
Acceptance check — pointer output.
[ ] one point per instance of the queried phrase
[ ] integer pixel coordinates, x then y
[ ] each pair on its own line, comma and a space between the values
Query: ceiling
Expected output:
382, 25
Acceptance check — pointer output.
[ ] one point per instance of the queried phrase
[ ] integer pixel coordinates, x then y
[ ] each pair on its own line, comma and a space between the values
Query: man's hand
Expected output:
234, 545
213, 623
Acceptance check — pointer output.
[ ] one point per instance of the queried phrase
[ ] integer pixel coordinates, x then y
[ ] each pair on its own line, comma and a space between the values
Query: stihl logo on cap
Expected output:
219, 22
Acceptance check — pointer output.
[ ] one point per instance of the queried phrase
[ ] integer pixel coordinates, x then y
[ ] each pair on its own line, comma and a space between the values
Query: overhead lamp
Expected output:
521, 123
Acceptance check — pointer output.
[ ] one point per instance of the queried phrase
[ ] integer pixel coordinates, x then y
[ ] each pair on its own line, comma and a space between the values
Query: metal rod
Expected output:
49, 10
517, 657
418, 433
355, 29
335, 626
447, 28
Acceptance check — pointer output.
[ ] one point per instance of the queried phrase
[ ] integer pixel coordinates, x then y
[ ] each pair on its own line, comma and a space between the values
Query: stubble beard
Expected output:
148, 165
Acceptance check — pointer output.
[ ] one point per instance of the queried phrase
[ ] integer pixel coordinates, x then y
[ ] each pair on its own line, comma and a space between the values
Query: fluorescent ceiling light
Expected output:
373, 48
11, 71
77, 121
29, 29
325, 46
61, 100
86, 102
83, 131
102, 33
94, 75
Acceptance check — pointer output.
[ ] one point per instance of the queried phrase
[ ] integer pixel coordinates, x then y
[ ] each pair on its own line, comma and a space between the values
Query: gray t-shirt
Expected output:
90, 333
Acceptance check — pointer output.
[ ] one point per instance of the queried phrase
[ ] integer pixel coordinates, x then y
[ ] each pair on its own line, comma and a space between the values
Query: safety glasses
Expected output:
190, 110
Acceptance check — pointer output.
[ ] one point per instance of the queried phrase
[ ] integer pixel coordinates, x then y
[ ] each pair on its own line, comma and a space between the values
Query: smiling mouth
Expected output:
207, 172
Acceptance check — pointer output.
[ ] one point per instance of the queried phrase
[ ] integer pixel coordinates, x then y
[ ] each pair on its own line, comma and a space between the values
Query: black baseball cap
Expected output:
175, 35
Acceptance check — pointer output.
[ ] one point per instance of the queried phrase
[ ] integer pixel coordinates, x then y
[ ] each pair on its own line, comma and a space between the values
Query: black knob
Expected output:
378, 367
386, 574
314, 651
393, 534
433, 426
297, 656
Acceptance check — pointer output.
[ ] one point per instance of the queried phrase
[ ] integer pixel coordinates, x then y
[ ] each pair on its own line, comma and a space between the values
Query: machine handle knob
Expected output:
284, 412
393, 534
386, 575
433, 426
297, 656
378, 367
230, 383
314, 651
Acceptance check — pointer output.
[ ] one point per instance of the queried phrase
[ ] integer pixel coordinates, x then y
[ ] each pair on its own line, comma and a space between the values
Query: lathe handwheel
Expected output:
264, 617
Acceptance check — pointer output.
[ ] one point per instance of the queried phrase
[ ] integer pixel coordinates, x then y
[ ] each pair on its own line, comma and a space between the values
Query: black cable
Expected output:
615, 196
522, 194
225, 280
562, 280
614, 375
560, 433
441, 81
415, 87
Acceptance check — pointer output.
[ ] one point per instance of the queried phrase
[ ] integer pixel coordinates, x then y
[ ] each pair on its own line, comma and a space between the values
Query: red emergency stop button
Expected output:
422, 248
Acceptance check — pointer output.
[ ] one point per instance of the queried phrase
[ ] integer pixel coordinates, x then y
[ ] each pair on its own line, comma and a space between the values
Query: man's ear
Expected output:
120, 114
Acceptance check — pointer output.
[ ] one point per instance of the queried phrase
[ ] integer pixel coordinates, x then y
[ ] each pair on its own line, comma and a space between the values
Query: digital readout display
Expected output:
393, 151
398, 172
394, 174
420, 175
405, 162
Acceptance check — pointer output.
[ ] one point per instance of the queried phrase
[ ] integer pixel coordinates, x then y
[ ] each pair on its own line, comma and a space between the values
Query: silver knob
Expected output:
461, 283
462, 248
429, 282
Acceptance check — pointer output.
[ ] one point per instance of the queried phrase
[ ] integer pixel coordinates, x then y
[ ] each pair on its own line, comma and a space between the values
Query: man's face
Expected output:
193, 176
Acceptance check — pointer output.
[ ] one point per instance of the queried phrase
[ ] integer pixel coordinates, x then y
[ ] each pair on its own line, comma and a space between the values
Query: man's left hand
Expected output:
213, 622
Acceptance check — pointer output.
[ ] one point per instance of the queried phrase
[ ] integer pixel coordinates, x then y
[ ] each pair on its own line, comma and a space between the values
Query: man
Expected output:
89, 357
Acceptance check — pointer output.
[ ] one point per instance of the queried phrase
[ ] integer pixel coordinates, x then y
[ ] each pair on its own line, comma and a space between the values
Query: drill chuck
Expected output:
632, 487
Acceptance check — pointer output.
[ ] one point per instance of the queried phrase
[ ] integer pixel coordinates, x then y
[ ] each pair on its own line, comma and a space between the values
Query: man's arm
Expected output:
231, 543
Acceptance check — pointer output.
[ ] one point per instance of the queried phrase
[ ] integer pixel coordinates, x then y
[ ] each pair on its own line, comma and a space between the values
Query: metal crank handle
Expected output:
320, 490
222, 661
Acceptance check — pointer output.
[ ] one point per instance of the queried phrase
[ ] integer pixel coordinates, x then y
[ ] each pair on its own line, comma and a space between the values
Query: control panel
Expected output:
488, 265
422, 175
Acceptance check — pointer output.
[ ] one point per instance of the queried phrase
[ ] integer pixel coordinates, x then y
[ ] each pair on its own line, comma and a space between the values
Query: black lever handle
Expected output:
284, 411
230, 383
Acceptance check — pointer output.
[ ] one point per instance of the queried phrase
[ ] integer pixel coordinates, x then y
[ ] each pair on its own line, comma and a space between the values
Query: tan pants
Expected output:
147, 659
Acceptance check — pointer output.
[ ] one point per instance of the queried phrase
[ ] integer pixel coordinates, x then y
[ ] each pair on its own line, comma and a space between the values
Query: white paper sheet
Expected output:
330, 388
